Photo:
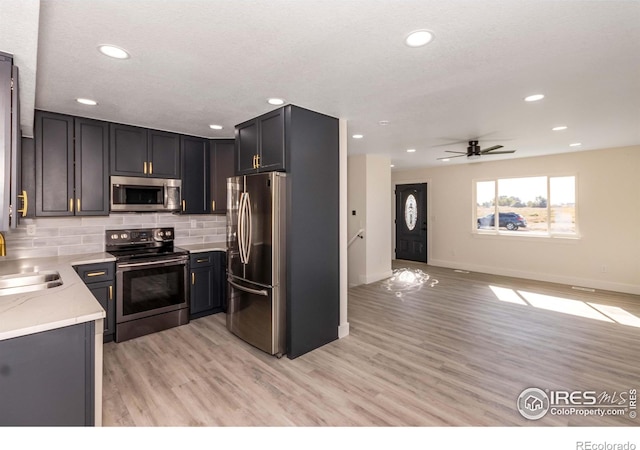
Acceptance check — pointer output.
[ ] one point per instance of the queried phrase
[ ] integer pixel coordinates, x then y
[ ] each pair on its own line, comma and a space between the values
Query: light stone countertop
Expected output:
201, 248
48, 309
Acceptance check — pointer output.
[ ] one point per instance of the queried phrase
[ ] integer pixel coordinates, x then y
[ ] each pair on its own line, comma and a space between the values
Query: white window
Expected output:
526, 206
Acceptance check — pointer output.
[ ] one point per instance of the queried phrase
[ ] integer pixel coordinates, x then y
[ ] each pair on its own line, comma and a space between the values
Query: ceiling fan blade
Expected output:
453, 142
449, 157
451, 151
495, 147
499, 153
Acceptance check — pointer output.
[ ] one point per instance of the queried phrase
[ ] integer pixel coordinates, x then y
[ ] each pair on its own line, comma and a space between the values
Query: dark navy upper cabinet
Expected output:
221, 168
164, 154
91, 167
54, 164
195, 175
71, 156
128, 150
260, 145
140, 152
206, 165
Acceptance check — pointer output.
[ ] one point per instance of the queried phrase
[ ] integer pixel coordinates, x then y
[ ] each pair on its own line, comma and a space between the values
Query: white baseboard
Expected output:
551, 278
372, 278
343, 330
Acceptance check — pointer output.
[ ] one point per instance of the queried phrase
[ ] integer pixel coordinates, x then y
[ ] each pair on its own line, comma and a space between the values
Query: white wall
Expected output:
356, 201
369, 177
378, 219
608, 218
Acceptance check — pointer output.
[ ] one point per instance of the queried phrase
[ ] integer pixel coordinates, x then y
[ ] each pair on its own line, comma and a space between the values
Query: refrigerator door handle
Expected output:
249, 224
241, 229
262, 292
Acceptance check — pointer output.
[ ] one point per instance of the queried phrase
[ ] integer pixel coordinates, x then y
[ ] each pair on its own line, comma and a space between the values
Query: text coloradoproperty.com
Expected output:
588, 445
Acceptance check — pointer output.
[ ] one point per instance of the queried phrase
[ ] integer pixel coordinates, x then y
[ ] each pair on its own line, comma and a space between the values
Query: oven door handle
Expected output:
262, 292
164, 262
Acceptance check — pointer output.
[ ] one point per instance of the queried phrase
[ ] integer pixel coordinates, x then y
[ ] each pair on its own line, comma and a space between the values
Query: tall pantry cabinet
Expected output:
305, 144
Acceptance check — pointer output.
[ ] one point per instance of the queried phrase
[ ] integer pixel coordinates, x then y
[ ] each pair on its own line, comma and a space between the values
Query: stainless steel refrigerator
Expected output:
256, 268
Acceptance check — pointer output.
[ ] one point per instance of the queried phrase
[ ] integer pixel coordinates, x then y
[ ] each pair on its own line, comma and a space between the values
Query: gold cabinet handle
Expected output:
78, 205
150, 167
213, 205
25, 203
254, 162
110, 292
96, 274
184, 205
257, 161
144, 167
202, 260
71, 205
193, 278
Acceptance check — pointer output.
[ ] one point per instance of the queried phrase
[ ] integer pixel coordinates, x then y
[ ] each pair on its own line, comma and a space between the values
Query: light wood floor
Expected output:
452, 354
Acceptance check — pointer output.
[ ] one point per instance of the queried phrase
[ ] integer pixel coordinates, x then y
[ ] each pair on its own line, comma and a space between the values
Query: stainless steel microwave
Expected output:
138, 194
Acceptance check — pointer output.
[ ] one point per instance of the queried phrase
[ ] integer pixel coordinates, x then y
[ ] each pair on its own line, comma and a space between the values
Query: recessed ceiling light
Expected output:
419, 38
445, 159
534, 98
559, 128
392, 165
383, 122
113, 51
411, 150
215, 127
358, 136
575, 144
275, 101
87, 101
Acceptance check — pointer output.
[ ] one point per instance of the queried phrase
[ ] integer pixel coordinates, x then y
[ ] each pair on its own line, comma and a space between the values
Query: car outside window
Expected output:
542, 205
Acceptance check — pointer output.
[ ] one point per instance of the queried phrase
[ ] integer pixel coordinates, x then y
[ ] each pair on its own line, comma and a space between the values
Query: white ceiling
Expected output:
194, 63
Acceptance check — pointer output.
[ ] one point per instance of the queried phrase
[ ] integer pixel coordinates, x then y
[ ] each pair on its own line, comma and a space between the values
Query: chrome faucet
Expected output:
3, 245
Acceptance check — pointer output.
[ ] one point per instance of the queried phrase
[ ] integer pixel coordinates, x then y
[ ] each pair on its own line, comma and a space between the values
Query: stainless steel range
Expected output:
152, 288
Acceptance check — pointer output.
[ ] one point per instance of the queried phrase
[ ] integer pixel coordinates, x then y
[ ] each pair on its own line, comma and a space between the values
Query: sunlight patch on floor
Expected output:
563, 305
617, 314
507, 295
596, 311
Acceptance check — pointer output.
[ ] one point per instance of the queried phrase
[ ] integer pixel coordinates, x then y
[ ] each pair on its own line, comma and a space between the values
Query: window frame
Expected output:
496, 231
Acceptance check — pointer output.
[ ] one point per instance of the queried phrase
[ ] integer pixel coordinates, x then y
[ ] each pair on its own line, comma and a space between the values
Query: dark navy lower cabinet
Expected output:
100, 279
47, 378
208, 286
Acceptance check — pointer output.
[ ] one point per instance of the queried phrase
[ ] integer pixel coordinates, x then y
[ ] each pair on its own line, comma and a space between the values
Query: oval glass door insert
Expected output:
411, 212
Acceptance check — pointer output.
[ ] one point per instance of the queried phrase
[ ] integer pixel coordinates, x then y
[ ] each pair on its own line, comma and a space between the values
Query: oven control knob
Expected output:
160, 233
124, 235
114, 236
168, 233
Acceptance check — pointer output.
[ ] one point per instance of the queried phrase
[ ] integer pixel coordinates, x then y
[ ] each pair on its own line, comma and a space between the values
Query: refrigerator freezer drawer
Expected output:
256, 315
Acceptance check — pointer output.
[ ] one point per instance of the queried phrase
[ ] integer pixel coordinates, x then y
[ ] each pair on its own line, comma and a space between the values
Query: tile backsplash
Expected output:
70, 235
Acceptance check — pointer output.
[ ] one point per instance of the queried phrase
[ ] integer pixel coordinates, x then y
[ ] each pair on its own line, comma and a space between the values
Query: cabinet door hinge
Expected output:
12, 84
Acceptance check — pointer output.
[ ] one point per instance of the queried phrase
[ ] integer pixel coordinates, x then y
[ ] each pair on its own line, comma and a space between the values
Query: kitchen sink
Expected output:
19, 283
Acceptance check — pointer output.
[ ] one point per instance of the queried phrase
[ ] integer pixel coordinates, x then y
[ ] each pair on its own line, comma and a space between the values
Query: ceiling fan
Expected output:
474, 151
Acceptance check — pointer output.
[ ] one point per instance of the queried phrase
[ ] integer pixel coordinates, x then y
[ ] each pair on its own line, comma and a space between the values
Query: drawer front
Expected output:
96, 273
201, 259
